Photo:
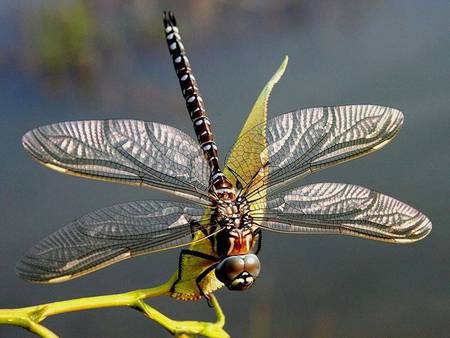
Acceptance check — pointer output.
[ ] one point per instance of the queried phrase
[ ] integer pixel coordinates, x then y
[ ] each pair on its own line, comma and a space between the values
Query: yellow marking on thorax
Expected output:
186, 288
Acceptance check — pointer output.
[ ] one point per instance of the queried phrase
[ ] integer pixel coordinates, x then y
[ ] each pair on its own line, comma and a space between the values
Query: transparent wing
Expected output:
124, 151
333, 208
307, 140
109, 235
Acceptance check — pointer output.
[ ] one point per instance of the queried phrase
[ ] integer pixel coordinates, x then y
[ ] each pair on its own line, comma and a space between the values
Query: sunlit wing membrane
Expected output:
109, 235
307, 140
333, 208
124, 151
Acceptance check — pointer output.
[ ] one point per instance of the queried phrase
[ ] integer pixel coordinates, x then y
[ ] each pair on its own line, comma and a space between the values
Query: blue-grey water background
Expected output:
72, 60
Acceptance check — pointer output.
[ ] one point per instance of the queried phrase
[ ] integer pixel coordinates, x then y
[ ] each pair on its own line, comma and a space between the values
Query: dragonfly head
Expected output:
238, 272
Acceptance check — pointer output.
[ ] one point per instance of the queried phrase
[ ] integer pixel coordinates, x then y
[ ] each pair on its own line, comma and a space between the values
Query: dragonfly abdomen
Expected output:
194, 104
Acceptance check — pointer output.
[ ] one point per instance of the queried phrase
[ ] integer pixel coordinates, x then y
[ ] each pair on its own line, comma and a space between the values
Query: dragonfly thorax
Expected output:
238, 267
228, 211
236, 236
232, 214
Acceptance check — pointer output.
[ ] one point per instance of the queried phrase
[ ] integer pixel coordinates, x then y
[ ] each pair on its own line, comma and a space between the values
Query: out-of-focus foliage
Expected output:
64, 38
81, 37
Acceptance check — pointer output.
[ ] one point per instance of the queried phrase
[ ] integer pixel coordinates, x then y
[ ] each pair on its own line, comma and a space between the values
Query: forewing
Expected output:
307, 140
124, 151
109, 235
333, 208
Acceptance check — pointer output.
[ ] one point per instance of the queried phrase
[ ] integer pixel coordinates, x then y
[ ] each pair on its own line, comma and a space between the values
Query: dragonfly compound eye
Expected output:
238, 272
252, 265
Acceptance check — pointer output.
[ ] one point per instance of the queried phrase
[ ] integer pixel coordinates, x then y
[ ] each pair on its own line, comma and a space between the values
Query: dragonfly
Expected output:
225, 209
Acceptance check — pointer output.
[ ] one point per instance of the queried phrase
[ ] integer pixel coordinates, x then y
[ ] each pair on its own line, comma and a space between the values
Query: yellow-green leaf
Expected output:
250, 164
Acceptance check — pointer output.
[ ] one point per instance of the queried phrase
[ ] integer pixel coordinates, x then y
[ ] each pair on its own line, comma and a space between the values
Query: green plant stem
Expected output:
30, 317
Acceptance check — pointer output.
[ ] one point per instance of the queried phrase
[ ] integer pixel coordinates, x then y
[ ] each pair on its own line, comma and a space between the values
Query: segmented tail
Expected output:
194, 104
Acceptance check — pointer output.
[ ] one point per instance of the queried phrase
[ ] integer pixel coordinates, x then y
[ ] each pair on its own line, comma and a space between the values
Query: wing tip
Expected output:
28, 139
420, 231
24, 270
424, 228
31, 268
397, 116
33, 147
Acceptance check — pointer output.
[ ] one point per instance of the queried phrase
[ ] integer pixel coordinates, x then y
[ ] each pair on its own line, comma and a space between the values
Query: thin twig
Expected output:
30, 317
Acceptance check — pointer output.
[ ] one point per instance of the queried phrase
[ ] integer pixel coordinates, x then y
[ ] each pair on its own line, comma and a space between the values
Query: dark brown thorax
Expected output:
236, 238
235, 241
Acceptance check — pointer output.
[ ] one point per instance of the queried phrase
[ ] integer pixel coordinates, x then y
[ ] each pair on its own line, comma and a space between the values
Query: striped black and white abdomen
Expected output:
194, 102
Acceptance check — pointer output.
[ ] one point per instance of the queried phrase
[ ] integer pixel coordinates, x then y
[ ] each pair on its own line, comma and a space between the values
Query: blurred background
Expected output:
98, 59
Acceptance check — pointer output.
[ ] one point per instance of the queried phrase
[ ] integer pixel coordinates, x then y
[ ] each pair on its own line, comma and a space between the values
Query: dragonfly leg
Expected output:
187, 252
200, 278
